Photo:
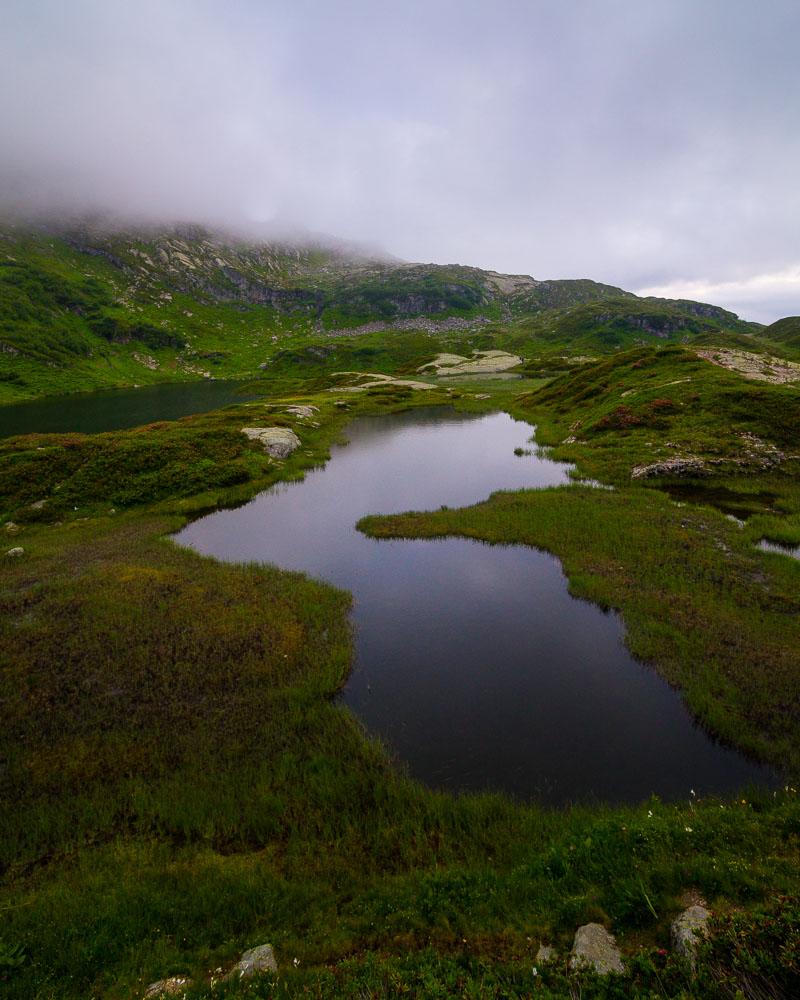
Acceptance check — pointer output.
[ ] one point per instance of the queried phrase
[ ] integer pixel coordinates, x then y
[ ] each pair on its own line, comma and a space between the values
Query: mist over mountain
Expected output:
648, 146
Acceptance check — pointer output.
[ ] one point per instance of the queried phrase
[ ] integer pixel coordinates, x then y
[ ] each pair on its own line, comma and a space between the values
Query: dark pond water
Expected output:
781, 548
472, 661
734, 503
91, 412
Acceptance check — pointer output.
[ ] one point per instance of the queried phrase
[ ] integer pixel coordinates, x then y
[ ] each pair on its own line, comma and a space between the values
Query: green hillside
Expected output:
83, 308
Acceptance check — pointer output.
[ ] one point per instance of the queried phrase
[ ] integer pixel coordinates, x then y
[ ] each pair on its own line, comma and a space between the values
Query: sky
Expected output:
651, 144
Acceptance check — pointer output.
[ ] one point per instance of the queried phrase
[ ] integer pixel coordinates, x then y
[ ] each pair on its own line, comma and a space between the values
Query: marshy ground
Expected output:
178, 785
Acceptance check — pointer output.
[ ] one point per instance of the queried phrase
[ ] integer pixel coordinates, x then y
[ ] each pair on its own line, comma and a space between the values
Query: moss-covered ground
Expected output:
178, 785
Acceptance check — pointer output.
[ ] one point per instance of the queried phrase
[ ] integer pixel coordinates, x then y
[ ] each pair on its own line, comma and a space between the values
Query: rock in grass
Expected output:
279, 442
12, 528
173, 987
688, 930
15, 553
546, 953
595, 948
253, 962
302, 411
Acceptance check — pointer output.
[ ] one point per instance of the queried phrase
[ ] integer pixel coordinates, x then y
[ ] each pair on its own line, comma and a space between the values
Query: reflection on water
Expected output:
472, 661
116, 409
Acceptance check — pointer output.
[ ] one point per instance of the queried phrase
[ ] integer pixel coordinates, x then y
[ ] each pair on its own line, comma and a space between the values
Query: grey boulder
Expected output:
595, 948
279, 442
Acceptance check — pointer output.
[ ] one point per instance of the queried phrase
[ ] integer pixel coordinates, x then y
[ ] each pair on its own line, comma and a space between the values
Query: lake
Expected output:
116, 409
472, 662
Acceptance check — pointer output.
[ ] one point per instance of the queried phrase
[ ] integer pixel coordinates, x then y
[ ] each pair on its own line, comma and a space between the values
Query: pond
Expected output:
473, 663
116, 409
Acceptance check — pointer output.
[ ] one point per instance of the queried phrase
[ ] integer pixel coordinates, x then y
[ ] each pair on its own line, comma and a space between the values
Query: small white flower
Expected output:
534, 972
295, 962
692, 792
649, 813
688, 829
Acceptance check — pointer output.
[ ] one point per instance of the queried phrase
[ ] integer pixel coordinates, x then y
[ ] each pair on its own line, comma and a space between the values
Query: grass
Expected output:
179, 784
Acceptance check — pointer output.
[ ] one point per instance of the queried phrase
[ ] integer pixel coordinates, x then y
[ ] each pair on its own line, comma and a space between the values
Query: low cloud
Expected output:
635, 143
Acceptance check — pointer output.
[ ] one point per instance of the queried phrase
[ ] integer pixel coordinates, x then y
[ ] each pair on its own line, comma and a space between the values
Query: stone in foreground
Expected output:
172, 987
279, 442
16, 552
688, 930
595, 948
546, 953
253, 962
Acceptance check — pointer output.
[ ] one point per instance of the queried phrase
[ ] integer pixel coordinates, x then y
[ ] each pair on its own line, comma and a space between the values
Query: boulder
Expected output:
595, 948
175, 986
279, 442
12, 528
253, 962
15, 553
688, 930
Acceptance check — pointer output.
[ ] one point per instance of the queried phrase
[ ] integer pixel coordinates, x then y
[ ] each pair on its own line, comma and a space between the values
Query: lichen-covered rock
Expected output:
175, 986
253, 962
595, 948
302, 411
546, 953
12, 528
671, 467
279, 442
15, 553
688, 930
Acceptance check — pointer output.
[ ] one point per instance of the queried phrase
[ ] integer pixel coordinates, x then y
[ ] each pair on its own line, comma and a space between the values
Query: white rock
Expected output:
172, 987
688, 930
15, 553
279, 442
302, 411
253, 962
594, 947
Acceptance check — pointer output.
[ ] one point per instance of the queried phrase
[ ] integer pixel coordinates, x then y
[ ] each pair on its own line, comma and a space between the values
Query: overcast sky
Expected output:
653, 144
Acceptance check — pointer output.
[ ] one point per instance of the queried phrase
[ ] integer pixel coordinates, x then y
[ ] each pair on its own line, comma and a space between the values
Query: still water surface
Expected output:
472, 661
116, 409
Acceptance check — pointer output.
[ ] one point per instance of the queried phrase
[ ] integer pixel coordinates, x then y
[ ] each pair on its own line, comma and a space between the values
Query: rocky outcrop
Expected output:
688, 930
481, 363
760, 367
671, 467
304, 412
595, 948
278, 442
254, 962
175, 986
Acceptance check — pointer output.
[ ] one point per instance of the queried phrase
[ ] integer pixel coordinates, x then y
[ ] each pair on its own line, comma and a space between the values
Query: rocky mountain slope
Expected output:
82, 306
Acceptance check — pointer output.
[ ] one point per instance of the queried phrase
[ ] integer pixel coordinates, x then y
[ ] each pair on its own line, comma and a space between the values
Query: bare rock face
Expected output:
595, 948
175, 986
279, 442
253, 962
688, 930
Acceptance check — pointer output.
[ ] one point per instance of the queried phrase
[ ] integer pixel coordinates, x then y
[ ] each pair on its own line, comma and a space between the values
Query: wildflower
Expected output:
688, 829
692, 793
295, 962
649, 813
534, 971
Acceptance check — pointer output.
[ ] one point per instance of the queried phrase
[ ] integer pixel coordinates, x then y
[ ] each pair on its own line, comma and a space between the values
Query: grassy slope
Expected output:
195, 792
84, 310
